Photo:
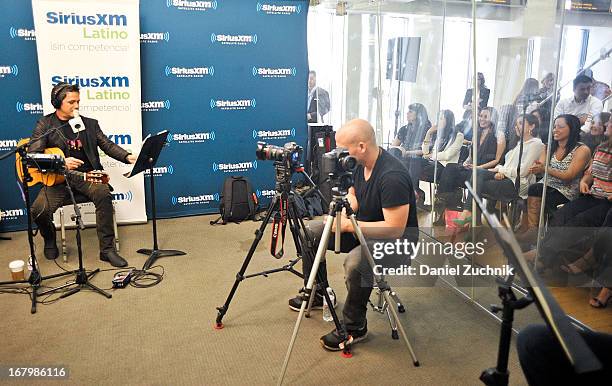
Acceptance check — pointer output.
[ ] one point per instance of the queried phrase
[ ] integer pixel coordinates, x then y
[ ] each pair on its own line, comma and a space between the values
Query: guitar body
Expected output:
51, 179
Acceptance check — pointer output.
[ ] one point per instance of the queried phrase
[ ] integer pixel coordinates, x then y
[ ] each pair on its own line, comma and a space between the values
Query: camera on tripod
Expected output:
339, 166
287, 159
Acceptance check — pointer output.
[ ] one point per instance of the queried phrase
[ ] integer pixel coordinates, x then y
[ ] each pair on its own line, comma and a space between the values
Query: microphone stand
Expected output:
81, 279
35, 279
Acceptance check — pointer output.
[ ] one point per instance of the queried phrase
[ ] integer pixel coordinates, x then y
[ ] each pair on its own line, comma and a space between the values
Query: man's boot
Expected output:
47, 231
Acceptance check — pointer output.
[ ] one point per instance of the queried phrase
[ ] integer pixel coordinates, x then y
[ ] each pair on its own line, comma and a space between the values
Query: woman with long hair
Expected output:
568, 160
498, 183
489, 153
408, 144
571, 228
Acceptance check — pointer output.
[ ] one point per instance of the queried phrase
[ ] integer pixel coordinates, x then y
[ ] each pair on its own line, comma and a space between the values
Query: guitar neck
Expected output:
77, 173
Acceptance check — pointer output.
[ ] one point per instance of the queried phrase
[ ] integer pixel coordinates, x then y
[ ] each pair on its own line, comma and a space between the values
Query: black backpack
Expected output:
238, 201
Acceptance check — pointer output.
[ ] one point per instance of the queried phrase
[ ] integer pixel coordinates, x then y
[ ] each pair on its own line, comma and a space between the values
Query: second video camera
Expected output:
339, 166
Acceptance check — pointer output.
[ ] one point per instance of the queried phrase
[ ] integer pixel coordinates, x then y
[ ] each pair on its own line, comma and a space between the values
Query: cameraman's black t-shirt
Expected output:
389, 186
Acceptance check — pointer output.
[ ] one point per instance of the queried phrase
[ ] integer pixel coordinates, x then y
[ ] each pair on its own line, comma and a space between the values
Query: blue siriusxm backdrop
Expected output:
218, 75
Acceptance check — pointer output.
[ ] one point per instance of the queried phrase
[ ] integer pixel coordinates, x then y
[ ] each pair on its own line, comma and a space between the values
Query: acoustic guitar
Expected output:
53, 155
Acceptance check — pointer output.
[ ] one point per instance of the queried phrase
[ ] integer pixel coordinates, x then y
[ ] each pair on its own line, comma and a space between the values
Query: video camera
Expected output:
287, 159
290, 153
339, 166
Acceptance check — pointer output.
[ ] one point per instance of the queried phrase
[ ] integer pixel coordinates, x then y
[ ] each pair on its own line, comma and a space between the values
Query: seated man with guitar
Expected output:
79, 145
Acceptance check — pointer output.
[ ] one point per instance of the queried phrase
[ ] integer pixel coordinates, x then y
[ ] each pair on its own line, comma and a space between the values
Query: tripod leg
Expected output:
398, 302
34, 299
384, 288
98, 290
392, 323
240, 275
315, 267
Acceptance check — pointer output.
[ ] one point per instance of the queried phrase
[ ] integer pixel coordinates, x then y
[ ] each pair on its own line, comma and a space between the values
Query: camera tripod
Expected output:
383, 307
283, 209
340, 202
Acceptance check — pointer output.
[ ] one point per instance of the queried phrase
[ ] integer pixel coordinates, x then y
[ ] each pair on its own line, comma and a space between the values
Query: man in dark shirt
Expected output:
384, 201
318, 100
80, 150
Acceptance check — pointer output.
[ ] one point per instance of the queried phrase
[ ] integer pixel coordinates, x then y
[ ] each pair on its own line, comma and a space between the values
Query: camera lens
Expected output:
348, 163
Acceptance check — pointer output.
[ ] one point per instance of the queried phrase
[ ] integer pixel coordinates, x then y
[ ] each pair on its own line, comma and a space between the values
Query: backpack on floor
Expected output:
238, 201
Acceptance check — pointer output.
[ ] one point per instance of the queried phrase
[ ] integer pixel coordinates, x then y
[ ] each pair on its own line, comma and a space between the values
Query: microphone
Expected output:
77, 123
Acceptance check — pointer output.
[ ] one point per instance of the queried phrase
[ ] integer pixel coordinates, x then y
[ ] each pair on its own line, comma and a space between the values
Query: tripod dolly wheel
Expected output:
394, 335
400, 308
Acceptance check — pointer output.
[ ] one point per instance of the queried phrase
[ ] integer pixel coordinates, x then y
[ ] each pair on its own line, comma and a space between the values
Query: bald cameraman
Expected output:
80, 148
384, 202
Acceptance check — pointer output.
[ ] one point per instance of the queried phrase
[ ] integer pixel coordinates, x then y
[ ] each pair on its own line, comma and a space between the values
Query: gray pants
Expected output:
358, 275
51, 198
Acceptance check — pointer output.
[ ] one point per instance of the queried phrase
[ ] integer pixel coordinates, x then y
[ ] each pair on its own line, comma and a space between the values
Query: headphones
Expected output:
56, 92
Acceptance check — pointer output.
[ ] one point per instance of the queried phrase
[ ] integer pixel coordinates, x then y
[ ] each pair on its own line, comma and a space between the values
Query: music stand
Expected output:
576, 350
151, 148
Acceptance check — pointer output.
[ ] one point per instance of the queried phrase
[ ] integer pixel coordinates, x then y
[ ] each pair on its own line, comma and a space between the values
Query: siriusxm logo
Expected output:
32, 108
195, 200
155, 105
269, 193
154, 37
192, 5
11, 214
233, 39
97, 81
121, 139
8, 144
127, 196
273, 134
237, 104
192, 137
268, 72
189, 72
9, 70
234, 167
274, 9
160, 171
97, 19
23, 33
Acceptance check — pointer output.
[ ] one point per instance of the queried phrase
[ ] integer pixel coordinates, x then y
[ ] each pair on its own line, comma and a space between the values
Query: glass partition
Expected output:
468, 91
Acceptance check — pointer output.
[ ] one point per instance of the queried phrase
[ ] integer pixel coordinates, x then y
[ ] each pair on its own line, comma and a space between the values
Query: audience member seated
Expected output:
548, 84
597, 263
489, 153
572, 228
447, 142
568, 160
543, 124
408, 144
596, 134
544, 362
582, 104
498, 183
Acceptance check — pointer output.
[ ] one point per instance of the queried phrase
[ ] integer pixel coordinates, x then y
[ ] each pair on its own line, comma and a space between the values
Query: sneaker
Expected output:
332, 340
317, 304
